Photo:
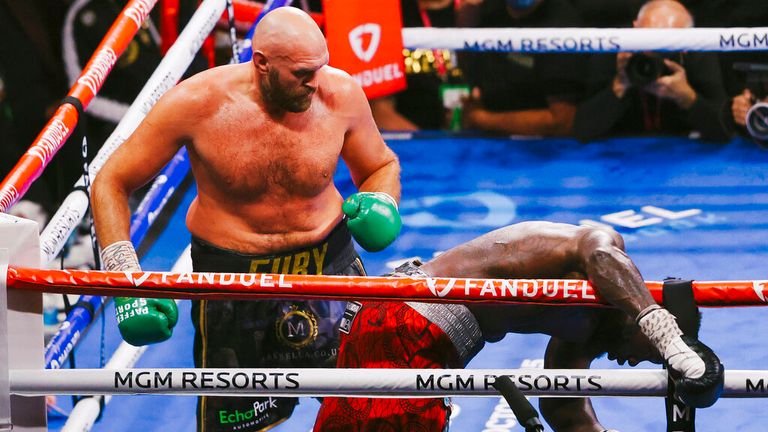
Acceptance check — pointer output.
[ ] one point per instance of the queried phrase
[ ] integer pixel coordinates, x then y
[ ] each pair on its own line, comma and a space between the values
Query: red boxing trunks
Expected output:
389, 335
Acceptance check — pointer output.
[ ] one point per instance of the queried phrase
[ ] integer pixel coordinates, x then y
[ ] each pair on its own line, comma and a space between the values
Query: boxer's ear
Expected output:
260, 61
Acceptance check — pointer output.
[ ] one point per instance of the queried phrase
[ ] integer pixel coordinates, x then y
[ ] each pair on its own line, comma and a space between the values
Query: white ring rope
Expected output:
385, 383
588, 39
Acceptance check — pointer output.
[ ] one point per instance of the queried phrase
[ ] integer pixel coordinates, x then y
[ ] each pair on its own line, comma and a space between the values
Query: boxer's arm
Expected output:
372, 215
373, 165
568, 414
612, 273
136, 162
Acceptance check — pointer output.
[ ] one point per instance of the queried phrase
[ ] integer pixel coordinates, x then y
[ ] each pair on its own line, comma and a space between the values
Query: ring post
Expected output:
23, 323
5, 386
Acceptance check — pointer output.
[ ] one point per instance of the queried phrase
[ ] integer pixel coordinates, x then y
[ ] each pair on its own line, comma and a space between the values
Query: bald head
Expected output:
289, 51
663, 14
288, 31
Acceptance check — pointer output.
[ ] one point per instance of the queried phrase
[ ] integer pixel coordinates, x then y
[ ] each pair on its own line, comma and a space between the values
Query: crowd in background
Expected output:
584, 96
588, 97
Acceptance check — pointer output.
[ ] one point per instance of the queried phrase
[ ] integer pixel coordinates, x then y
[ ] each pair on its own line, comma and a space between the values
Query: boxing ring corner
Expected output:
22, 311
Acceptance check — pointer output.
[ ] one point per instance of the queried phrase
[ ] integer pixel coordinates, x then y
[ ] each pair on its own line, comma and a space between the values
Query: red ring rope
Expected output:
262, 285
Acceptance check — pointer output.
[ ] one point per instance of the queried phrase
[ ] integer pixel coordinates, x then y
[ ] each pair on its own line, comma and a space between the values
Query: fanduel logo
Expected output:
98, 70
139, 10
49, 143
8, 197
356, 40
431, 284
137, 281
760, 287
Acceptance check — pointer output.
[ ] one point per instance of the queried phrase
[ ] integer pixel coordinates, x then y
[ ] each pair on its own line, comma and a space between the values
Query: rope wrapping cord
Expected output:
444, 290
166, 75
587, 40
387, 383
80, 317
64, 120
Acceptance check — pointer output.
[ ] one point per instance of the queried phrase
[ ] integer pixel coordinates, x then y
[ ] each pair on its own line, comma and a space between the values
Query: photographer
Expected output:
750, 114
671, 93
740, 105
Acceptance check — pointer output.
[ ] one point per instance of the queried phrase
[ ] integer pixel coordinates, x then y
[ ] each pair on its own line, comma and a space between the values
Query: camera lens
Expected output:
643, 69
757, 121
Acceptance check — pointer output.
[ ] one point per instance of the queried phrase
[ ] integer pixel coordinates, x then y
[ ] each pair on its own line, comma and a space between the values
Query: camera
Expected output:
755, 77
645, 68
757, 121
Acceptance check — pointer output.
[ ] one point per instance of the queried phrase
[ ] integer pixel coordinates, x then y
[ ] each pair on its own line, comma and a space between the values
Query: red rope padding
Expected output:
64, 120
261, 285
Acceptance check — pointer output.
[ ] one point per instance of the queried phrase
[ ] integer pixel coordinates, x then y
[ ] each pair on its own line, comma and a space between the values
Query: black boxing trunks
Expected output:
399, 335
267, 333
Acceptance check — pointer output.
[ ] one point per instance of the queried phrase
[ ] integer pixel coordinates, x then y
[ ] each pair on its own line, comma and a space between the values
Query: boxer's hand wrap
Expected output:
373, 219
120, 256
141, 321
661, 328
697, 371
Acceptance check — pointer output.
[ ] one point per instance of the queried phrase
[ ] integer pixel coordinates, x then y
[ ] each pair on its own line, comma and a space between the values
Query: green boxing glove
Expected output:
144, 321
141, 321
373, 219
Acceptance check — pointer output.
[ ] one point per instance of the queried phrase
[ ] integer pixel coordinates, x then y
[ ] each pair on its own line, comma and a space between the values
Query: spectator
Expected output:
740, 105
688, 96
420, 105
743, 83
523, 93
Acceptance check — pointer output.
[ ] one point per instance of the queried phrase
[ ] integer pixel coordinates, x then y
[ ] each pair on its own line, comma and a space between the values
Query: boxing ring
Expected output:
686, 208
698, 212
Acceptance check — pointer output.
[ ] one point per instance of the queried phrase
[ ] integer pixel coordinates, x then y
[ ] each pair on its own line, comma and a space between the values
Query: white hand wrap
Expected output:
120, 256
661, 328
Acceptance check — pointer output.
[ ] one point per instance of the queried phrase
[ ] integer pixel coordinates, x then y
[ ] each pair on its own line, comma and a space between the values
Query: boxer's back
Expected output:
527, 250
520, 251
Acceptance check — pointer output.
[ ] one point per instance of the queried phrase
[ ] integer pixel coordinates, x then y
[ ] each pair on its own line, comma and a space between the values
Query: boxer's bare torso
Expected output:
256, 171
